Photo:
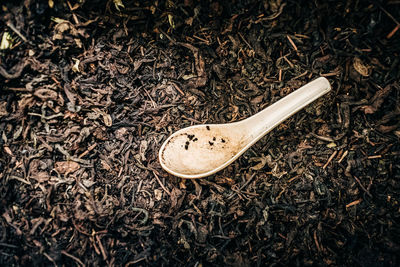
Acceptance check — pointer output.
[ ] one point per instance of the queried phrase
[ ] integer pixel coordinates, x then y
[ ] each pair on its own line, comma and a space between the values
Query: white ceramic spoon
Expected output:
201, 150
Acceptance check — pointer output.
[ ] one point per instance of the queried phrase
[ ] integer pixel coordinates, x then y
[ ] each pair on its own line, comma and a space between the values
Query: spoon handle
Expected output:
267, 119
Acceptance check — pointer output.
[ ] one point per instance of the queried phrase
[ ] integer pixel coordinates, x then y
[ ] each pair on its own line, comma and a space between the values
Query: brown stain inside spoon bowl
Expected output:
201, 149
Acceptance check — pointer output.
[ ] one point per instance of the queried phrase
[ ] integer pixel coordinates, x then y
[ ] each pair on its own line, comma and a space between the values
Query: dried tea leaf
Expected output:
224, 180
267, 160
17, 132
45, 94
64, 167
377, 100
121, 133
142, 149
8, 151
158, 194
387, 128
171, 21
201, 79
6, 41
3, 109
105, 165
100, 133
262, 162
257, 100
118, 4
41, 177
75, 67
78, 42
189, 21
88, 183
331, 145
188, 76
202, 234
106, 117
362, 68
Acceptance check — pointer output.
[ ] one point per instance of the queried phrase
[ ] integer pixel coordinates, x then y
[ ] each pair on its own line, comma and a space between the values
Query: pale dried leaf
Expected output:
158, 194
63, 167
362, 68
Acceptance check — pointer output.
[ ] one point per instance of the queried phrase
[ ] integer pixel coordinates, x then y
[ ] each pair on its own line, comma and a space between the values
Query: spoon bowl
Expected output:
201, 150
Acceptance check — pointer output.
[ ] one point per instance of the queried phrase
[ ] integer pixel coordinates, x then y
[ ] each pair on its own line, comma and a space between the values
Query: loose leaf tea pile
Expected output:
89, 90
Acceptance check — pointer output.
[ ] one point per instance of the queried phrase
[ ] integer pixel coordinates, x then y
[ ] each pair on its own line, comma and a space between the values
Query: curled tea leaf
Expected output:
362, 68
